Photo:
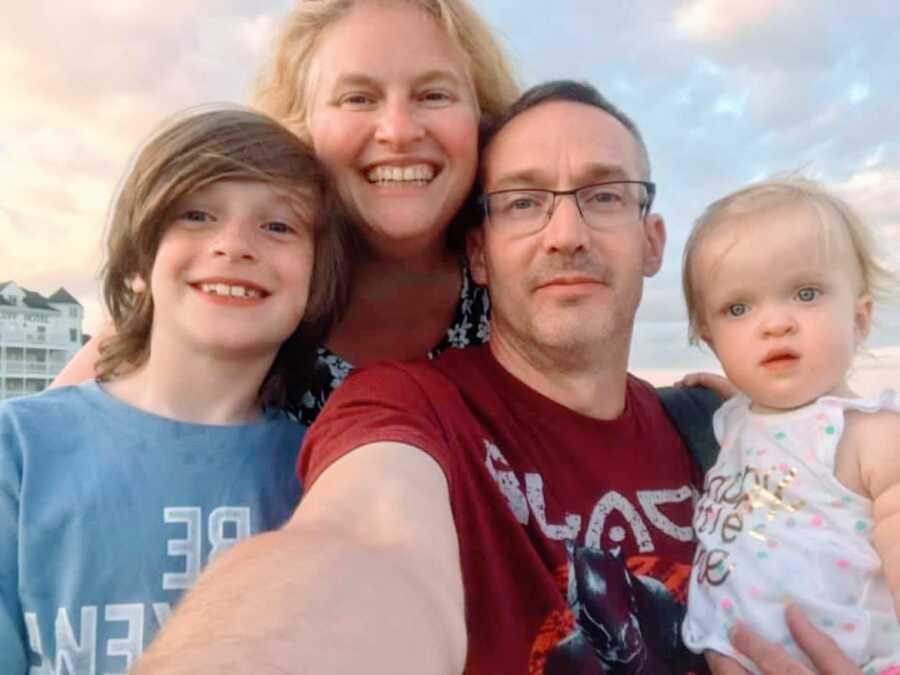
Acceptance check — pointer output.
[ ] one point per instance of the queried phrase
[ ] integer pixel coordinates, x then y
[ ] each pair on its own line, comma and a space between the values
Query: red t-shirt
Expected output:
575, 533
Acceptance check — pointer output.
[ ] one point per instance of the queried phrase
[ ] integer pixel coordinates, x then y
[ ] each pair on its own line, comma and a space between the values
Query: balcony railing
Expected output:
26, 337
18, 367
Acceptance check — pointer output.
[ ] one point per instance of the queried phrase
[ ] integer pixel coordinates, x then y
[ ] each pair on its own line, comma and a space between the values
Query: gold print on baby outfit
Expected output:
726, 507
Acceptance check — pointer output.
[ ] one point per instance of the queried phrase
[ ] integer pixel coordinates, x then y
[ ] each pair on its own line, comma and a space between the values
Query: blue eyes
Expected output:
808, 294
278, 227
196, 216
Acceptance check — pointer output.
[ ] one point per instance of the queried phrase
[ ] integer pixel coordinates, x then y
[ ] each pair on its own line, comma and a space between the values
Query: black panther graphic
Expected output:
626, 624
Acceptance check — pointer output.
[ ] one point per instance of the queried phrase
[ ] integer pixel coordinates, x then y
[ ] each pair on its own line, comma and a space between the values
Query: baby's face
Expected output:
780, 305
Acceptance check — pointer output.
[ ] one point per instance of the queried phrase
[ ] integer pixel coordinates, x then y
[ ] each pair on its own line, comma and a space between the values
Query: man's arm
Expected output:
364, 578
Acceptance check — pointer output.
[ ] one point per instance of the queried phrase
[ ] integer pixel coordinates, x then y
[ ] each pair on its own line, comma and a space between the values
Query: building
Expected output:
38, 336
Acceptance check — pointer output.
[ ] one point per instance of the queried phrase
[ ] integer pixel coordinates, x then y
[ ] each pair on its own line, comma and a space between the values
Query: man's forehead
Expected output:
560, 141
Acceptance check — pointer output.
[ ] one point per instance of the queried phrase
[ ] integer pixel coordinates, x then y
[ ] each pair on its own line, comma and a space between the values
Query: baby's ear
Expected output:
862, 318
704, 334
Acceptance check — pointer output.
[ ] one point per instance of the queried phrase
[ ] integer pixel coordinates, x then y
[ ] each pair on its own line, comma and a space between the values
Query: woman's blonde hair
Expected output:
193, 150
878, 281
283, 89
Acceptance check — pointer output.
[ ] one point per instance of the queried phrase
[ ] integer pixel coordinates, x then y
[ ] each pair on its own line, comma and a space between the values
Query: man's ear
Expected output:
654, 243
475, 254
862, 318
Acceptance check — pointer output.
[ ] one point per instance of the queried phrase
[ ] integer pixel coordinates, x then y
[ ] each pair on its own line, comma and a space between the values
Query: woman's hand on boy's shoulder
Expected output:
719, 384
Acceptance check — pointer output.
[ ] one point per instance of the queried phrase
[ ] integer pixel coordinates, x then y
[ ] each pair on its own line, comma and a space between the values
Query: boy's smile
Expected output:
228, 288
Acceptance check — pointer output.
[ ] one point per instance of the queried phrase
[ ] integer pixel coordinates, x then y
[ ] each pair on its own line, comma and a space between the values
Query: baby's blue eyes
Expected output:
808, 294
803, 295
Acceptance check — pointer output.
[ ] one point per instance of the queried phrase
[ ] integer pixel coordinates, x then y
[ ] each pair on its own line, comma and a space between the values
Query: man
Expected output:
519, 508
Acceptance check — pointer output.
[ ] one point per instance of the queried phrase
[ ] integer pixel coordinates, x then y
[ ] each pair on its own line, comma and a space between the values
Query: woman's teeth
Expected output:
419, 173
233, 291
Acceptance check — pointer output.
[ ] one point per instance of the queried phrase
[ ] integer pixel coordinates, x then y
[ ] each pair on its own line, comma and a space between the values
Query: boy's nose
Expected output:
234, 241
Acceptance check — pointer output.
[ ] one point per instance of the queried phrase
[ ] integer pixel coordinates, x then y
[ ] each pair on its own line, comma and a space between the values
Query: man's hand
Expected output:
717, 383
771, 659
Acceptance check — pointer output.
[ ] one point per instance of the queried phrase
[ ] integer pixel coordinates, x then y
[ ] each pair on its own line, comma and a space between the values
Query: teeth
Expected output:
233, 291
418, 173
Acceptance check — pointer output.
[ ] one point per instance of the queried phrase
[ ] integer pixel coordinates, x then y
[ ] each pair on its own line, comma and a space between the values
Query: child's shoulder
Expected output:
874, 416
67, 401
872, 435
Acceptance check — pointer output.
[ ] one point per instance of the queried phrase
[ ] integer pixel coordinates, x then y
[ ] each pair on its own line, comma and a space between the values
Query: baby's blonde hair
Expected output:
878, 281
284, 86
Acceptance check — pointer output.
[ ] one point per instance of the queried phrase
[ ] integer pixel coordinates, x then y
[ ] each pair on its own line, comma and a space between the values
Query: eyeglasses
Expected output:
602, 206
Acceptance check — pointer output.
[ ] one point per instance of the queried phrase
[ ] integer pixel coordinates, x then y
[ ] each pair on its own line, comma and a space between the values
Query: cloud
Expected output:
88, 81
725, 91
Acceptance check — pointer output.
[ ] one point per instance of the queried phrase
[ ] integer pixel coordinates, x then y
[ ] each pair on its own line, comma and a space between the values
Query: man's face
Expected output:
568, 287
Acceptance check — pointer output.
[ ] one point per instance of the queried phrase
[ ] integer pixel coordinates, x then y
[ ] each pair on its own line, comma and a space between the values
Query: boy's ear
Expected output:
475, 254
862, 318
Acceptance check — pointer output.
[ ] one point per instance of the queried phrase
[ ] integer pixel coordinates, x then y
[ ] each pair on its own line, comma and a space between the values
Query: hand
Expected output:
717, 383
719, 664
770, 658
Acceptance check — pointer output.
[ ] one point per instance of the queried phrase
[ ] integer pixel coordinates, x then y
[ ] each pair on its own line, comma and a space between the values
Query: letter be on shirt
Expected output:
191, 546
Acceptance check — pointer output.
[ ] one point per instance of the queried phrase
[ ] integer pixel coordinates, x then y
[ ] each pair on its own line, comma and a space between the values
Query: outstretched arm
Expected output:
364, 578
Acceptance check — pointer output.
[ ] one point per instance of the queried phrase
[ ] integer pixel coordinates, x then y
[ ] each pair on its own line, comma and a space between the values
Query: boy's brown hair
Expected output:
189, 152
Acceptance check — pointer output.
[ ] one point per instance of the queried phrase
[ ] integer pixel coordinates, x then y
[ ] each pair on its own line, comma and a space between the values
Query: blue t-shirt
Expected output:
108, 514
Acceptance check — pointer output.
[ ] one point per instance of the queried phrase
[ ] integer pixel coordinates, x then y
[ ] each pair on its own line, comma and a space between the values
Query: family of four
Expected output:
523, 505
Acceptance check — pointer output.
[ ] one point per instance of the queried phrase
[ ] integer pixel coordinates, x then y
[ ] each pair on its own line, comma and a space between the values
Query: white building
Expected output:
38, 336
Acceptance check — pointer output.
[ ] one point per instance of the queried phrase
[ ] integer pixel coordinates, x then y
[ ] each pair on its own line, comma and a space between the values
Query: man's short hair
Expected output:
575, 92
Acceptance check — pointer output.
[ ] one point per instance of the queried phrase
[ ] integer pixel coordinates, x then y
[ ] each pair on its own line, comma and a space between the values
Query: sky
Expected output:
724, 91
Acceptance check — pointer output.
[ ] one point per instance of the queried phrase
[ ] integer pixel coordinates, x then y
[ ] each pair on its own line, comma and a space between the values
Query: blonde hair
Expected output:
283, 88
878, 281
192, 150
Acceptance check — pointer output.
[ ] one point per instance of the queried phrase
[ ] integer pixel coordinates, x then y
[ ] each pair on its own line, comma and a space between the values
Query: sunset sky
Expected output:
725, 92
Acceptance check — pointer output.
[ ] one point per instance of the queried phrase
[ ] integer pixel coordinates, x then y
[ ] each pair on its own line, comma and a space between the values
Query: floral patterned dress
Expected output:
471, 326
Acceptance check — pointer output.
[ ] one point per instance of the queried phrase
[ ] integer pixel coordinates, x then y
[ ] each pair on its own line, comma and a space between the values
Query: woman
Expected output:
391, 96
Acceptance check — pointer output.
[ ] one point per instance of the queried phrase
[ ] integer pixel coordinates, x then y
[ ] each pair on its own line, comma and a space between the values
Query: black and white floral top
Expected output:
471, 326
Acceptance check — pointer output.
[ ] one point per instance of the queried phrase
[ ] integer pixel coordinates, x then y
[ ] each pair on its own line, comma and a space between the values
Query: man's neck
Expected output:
195, 387
591, 383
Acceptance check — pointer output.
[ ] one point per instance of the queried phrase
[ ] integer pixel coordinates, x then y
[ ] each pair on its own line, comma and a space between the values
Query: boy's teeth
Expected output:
233, 291
420, 173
